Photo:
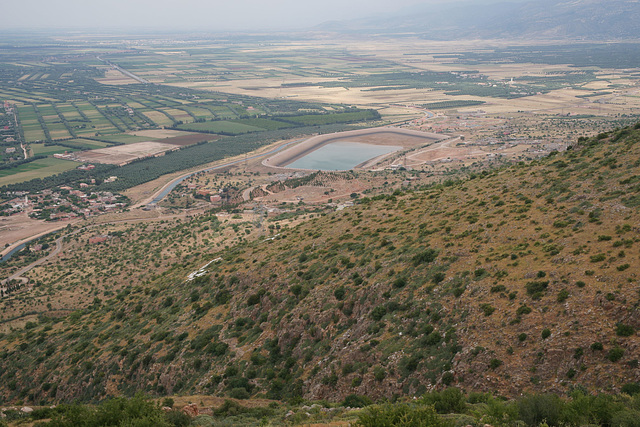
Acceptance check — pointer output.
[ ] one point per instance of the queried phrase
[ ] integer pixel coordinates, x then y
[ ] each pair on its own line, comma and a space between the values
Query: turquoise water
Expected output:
343, 155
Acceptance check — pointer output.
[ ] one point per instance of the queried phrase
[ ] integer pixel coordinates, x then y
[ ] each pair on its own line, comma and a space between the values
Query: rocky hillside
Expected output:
521, 279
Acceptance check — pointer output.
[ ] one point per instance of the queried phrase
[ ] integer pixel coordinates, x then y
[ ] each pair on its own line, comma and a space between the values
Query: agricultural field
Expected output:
125, 139
488, 94
221, 127
47, 150
85, 144
37, 169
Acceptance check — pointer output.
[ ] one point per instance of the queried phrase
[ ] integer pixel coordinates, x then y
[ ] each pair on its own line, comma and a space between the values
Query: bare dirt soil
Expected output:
17, 228
159, 133
125, 153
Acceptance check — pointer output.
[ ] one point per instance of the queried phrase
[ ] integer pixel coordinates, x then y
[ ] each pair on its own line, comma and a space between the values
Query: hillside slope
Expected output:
523, 279
555, 19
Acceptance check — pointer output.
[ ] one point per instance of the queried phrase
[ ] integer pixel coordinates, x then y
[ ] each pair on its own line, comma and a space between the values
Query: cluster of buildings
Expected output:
63, 204
7, 123
213, 196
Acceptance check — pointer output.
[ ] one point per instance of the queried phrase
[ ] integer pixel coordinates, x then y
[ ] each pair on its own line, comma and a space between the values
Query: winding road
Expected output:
18, 275
168, 187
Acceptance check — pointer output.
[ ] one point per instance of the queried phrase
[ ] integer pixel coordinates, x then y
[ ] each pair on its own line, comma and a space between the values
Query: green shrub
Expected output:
448, 378
356, 401
379, 373
136, 411
438, 278
480, 273
523, 309
457, 292
229, 409
487, 309
631, 388
495, 363
536, 289
615, 354
177, 419
449, 401
538, 408
378, 313
400, 415
239, 393
563, 295
546, 333
623, 330
223, 297
477, 397
425, 257
626, 418
400, 282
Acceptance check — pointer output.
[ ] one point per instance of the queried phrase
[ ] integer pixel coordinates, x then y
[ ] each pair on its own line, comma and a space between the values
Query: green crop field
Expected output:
127, 139
221, 127
264, 123
158, 118
324, 119
200, 113
81, 143
34, 134
48, 150
36, 169
223, 112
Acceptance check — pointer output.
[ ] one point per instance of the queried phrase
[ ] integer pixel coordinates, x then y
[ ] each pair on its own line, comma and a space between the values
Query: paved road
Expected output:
123, 71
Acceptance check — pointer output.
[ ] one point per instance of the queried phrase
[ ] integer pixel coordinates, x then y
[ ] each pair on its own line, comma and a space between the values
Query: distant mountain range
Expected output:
552, 19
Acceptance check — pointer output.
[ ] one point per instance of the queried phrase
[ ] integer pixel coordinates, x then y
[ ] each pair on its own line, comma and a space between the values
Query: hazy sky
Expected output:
213, 15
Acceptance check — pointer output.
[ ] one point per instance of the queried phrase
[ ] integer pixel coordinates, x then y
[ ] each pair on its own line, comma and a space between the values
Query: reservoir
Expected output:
341, 155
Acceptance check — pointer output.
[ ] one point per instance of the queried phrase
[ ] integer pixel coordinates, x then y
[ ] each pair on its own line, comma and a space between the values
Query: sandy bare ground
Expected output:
378, 136
159, 133
124, 153
19, 228
446, 150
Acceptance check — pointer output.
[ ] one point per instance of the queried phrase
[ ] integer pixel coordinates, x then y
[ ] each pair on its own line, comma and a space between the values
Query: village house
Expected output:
98, 239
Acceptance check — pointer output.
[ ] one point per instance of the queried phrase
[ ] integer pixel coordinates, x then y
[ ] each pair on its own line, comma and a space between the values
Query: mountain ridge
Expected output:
548, 19
514, 280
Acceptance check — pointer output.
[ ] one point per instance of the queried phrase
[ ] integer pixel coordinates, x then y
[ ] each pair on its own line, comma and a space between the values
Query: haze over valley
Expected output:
342, 214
